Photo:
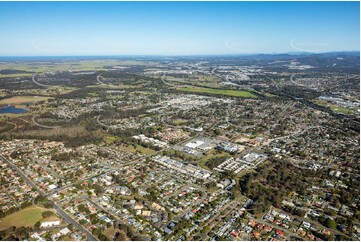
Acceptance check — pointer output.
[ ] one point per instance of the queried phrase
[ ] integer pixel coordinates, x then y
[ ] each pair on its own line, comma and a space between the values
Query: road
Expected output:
22, 175
42, 85
293, 81
319, 225
209, 221
135, 160
59, 211
227, 209
72, 221
72, 184
104, 125
108, 85
111, 213
289, 234
41, 125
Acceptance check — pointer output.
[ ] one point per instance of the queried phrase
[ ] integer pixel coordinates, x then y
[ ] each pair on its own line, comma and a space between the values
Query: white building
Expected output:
49, 224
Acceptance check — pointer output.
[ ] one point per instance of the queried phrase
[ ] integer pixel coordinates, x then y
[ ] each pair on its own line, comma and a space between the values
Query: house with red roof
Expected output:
252, 223
256, 234
267, 229
279, 232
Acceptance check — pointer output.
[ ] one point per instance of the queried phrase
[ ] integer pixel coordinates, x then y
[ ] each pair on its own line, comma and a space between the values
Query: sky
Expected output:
176, 28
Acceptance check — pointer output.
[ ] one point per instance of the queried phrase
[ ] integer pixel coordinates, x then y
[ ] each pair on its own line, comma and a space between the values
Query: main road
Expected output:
42, 85
58, 209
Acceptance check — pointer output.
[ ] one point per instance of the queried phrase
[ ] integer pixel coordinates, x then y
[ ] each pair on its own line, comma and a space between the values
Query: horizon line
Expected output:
183, 55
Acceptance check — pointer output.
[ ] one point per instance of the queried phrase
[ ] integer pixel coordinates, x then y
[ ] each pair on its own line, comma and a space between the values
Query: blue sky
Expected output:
176, 28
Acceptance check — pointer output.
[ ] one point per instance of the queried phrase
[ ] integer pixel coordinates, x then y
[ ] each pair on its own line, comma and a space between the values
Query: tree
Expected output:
98, 189
119, 236
47, 214
37, 225
330, 223
83, 222
96, 232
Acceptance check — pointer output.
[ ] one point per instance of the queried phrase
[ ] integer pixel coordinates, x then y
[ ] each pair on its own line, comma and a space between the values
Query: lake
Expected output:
13, 110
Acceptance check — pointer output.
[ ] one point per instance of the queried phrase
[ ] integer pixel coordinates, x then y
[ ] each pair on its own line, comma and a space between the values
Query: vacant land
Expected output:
110, 232
227, 92
211, 154
26, 217
22, 99
138, 148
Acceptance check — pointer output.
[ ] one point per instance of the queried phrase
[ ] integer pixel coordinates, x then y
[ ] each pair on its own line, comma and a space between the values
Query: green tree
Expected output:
330, 223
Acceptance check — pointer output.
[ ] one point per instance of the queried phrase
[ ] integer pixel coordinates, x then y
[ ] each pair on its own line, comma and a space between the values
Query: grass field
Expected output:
22, 99
143, 150
180, 121
342, 110
204, 83
210, 154
93, 94
15, 75
335, 108
26, 217
227, 92
110, 138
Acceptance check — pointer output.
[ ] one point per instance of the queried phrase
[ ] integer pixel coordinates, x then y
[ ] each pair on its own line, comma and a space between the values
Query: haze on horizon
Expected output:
177, 28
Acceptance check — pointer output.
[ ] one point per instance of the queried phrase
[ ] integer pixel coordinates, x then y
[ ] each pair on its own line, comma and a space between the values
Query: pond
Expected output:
13, 110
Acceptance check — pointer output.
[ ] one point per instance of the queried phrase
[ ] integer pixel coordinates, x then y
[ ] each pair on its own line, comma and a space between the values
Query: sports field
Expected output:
26, 217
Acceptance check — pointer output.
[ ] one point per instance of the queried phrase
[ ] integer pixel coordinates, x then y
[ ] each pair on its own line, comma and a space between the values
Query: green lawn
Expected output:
227, 92
26, 217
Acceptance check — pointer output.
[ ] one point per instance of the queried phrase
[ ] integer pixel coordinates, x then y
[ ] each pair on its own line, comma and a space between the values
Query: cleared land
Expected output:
139, 148
208, 156
26, 217
22, 99
227, 92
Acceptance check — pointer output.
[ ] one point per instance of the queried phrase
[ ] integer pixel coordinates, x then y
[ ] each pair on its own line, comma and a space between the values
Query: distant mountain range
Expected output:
354, 55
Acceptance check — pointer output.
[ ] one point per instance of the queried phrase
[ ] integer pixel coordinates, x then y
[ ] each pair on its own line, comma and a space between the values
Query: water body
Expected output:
13, 110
